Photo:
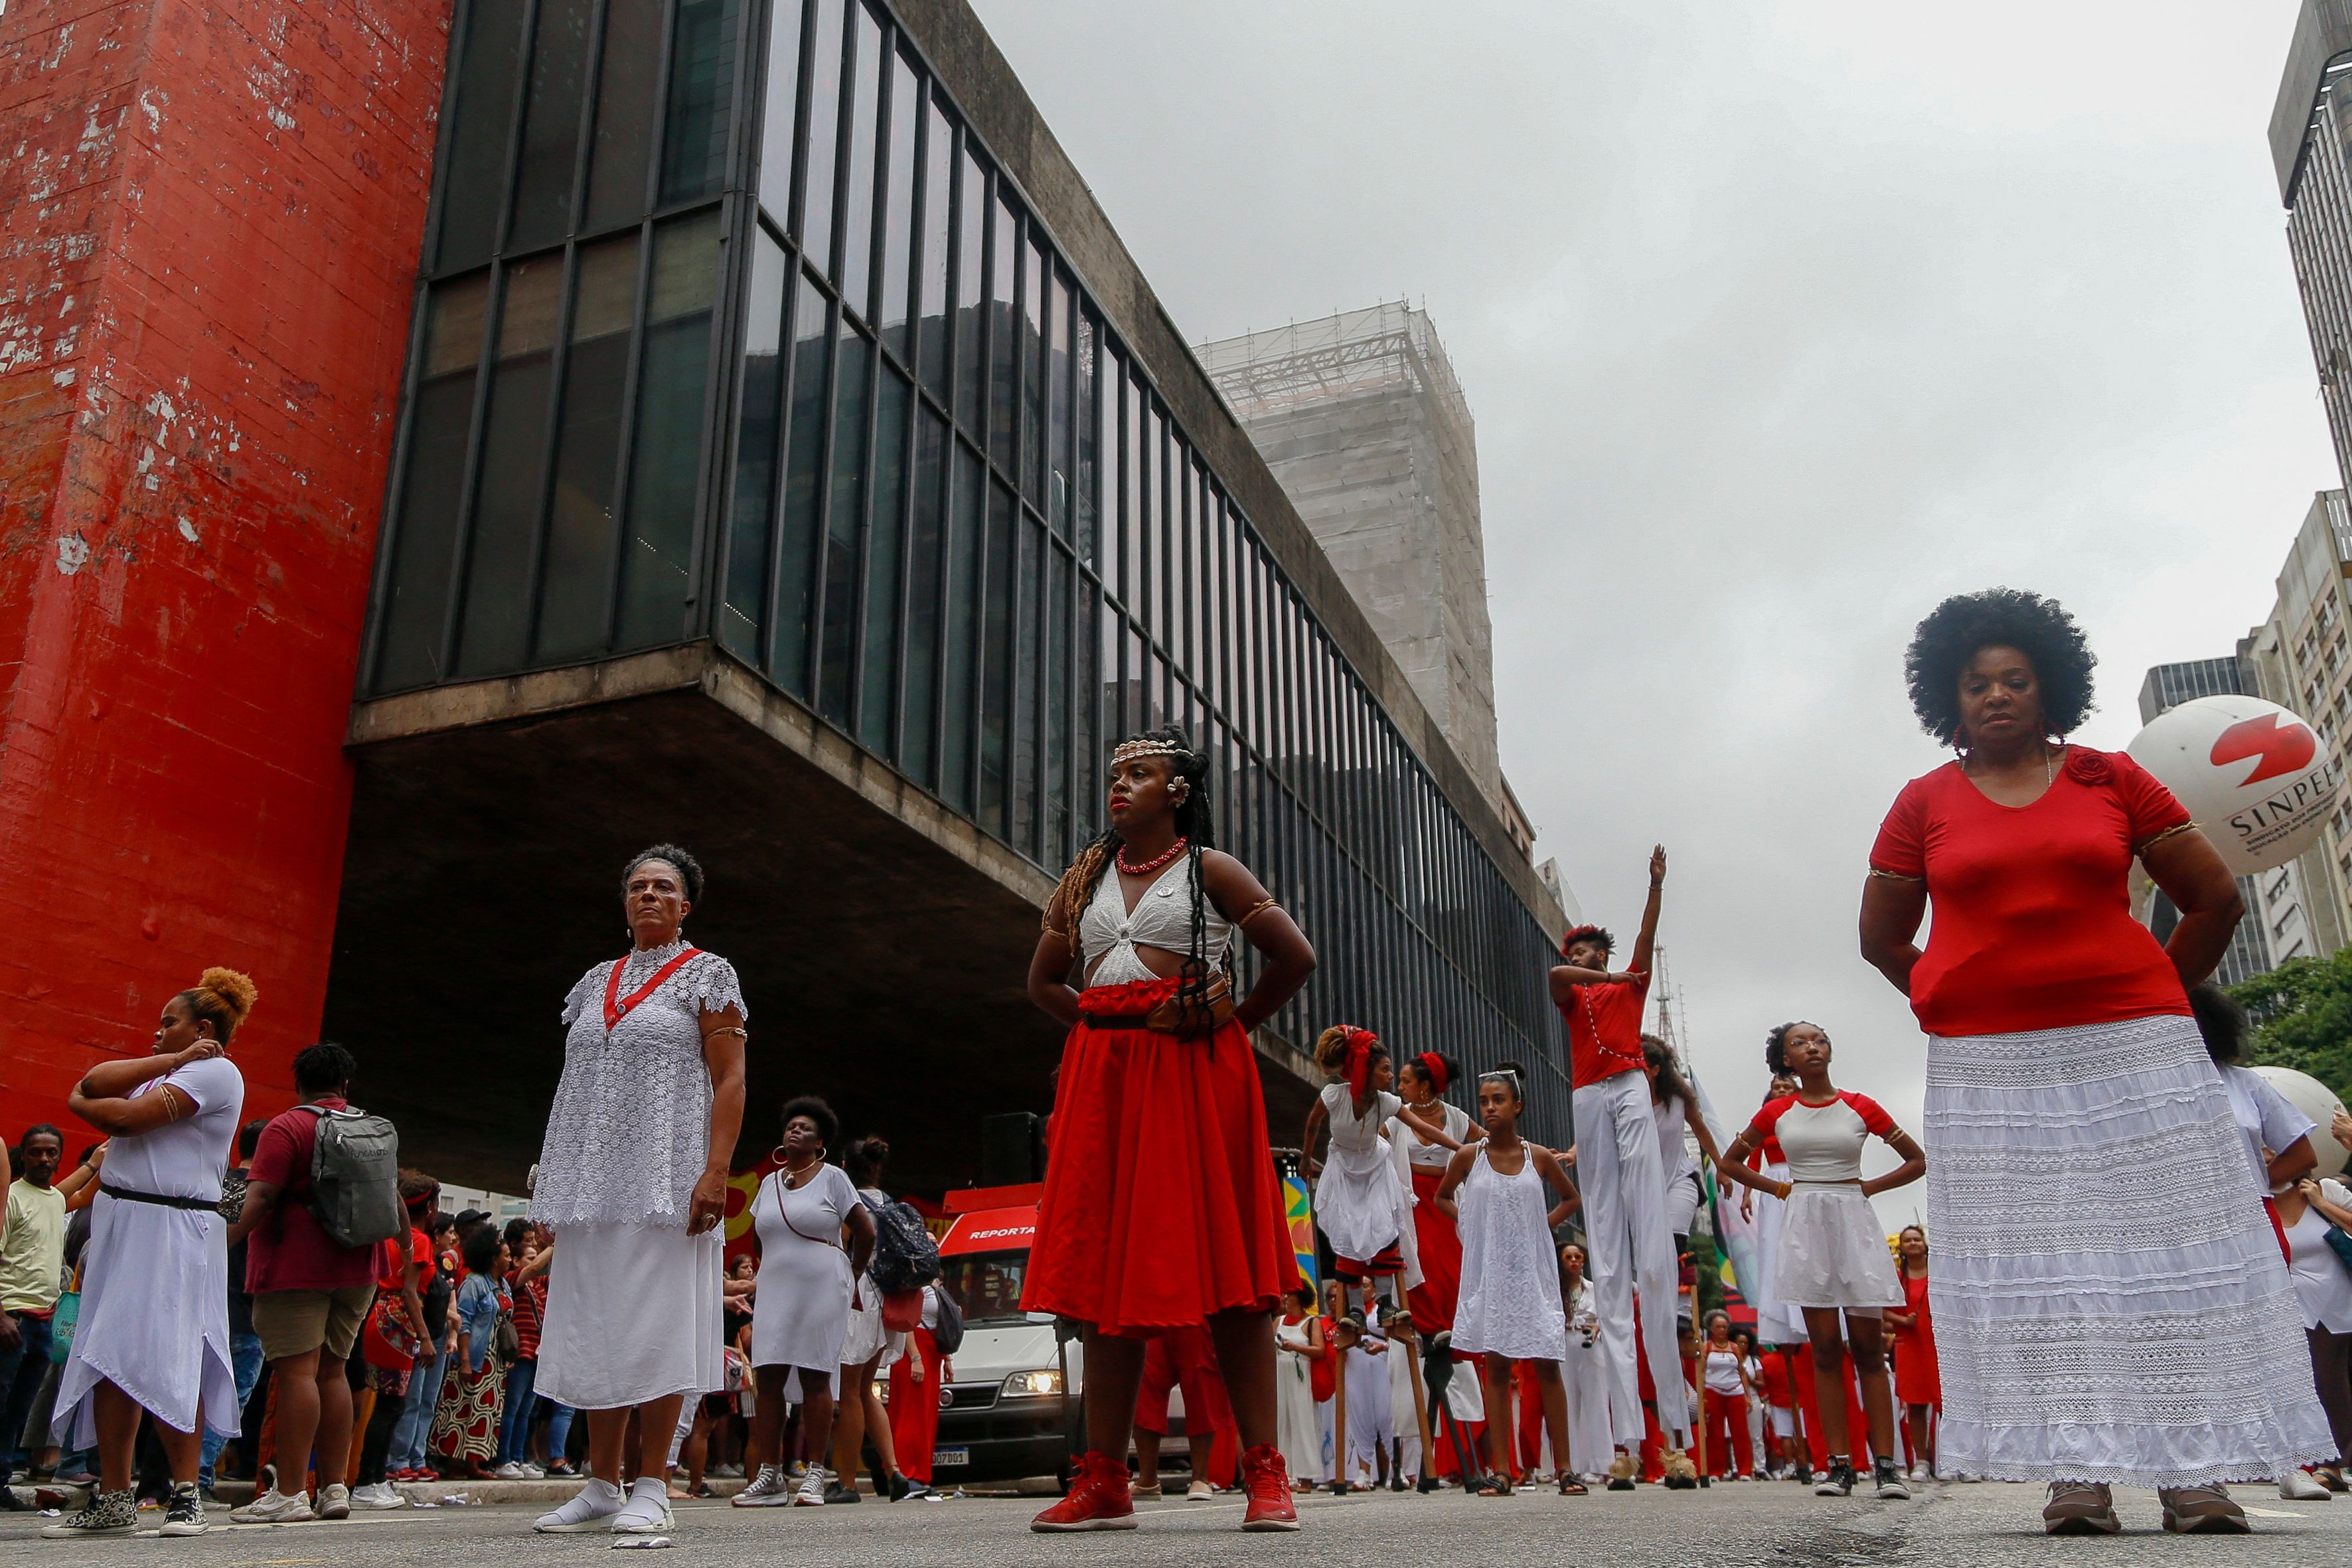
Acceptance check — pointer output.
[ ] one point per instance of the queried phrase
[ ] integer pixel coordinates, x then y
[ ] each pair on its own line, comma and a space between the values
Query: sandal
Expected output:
1570, 1487
1495, 1486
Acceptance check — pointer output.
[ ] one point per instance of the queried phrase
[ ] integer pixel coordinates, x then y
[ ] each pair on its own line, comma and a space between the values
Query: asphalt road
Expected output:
1759, 1524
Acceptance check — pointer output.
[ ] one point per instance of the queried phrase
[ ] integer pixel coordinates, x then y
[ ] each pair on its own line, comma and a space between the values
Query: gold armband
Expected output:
2175, 830
1894, 876
1255, 910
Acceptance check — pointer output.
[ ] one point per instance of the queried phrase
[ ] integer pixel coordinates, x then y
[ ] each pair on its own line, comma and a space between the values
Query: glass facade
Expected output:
731, 327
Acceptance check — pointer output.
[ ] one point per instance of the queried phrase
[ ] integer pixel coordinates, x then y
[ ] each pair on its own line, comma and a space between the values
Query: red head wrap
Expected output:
1360, 1061
1432, 1067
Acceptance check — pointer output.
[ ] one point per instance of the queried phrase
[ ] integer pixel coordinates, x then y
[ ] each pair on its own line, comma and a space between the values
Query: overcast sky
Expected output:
1780, 322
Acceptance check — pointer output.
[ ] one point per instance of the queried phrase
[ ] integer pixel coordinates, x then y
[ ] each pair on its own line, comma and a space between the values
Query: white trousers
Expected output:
1585, 1373
1617, 1169
1370, 1419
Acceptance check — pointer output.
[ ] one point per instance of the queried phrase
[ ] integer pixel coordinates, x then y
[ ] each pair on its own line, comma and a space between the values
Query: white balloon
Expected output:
2318, 1101
2259, 780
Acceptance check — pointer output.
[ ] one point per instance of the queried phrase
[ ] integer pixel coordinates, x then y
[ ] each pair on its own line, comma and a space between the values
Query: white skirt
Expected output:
154, 1321
633, 1314
1360, 1206
2110, 1301
1832, 1252
865, 1337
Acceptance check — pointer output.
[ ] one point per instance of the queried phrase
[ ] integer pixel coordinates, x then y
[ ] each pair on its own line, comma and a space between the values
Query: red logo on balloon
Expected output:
2282, 745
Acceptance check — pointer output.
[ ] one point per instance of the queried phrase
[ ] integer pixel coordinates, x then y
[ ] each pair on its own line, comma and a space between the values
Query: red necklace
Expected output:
1154, 863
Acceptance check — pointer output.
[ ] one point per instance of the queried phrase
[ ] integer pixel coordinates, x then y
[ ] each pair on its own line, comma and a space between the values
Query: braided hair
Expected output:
1195, 824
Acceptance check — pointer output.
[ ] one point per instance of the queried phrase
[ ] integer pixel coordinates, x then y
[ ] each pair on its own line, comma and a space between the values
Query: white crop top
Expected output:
1162, 917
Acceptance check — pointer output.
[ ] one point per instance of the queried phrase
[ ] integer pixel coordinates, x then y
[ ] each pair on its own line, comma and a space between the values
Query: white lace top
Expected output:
1162, 917
629, 1133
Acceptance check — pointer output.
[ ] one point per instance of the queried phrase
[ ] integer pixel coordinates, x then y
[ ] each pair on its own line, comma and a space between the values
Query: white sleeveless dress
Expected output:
1510, 1273
1361, 1202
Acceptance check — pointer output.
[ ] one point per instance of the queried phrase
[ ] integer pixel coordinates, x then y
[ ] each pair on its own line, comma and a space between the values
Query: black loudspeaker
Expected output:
1012, 1149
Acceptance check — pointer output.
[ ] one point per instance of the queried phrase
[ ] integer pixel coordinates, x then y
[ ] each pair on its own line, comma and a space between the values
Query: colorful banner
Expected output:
1298, 1212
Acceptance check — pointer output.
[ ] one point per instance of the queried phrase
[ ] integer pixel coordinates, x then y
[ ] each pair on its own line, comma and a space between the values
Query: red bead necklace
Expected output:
1154, 863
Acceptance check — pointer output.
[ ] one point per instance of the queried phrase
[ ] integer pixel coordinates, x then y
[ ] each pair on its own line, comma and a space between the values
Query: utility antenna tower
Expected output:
1671, 1027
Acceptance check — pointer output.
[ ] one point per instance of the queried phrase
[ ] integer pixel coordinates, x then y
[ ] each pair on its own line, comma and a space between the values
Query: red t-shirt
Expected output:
290, 1250
393, 1265
2032, 926
1605, 1030
1777, 1393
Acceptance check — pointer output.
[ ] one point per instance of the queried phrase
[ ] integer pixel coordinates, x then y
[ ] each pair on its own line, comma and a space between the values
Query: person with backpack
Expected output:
873, 1341
916, 1380
321, 1196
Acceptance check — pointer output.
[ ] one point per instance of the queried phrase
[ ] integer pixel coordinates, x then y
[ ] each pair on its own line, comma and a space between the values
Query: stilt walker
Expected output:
1161, 1209
1618, 1171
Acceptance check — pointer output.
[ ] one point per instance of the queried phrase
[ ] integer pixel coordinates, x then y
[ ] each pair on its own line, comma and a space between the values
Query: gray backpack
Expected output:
355, 1178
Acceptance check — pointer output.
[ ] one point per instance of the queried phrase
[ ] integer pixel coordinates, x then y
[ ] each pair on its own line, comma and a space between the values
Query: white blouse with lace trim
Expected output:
630, 1131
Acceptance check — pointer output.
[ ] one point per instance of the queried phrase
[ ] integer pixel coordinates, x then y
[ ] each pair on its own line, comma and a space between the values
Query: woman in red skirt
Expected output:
1162, 1209
1913, 1329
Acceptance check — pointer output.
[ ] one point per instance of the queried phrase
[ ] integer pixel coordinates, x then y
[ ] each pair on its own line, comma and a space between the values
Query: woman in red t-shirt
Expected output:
2084, 1343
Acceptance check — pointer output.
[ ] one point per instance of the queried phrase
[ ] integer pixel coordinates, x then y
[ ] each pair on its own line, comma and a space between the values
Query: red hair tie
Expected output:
1360, 1061
1432, 1067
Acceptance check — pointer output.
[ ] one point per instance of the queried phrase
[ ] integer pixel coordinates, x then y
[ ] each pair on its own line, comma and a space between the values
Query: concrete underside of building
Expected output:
883, 942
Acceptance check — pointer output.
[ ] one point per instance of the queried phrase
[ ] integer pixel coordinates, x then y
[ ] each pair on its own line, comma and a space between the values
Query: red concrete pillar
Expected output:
214, 215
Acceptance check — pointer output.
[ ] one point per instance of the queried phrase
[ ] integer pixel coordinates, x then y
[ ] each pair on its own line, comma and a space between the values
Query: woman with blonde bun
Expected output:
152, 1336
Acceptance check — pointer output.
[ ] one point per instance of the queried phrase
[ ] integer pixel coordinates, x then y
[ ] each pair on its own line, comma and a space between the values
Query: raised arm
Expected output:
1429, 1131
1648, 939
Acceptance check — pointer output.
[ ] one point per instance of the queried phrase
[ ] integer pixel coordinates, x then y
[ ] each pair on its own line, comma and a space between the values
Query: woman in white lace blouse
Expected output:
633, 1179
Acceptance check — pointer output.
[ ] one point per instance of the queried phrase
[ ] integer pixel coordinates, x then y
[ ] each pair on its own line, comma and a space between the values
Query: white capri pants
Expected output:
1625, 1234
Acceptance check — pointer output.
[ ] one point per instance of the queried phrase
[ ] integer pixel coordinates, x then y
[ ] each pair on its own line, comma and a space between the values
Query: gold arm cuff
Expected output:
1255, 910
1894, 876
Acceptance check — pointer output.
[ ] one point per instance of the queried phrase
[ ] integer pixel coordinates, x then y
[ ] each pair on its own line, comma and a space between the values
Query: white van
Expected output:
1013, 1408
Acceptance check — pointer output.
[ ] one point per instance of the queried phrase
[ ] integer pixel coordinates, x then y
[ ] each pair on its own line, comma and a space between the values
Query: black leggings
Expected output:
2331, 1369
375, 1447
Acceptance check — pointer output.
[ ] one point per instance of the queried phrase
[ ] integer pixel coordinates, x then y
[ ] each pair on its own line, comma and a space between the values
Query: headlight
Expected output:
1033, 1384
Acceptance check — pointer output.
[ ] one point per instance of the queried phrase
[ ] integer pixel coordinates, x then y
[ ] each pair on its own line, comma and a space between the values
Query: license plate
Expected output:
951, 1459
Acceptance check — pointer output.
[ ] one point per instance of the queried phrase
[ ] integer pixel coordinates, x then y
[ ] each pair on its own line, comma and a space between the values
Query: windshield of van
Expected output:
986, 1285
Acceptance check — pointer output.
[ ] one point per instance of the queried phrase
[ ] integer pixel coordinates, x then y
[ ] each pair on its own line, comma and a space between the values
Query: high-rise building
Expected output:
1362, 420
724, 421
2299, 659
2310, 129
2168, 686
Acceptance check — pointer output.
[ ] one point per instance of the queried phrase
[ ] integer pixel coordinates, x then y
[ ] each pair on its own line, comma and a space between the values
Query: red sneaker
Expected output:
1098, 1500
1266, 1480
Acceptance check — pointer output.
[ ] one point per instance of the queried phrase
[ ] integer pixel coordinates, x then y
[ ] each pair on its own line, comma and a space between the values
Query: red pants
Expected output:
1857, 1427
1727, 1411
1527, 1389
1187, 1359
915, 1407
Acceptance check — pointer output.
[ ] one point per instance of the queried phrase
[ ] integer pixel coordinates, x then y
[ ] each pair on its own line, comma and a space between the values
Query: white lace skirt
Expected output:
2110, 1301
1832, 1252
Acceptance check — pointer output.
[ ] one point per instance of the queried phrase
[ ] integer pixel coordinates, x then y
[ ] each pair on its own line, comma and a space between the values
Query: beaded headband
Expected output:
1129, 751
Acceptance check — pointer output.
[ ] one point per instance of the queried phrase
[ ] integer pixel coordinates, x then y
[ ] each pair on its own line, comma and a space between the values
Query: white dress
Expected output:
154, 1287
1830, 1251
1510, 1276
802, 1316
1296, 1430
1363, 1206
634, 1302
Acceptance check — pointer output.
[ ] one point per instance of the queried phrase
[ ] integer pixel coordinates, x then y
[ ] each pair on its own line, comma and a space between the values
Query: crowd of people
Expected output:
225, 1288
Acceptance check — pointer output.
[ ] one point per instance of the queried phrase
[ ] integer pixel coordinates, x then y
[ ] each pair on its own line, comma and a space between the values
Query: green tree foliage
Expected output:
2301, 1013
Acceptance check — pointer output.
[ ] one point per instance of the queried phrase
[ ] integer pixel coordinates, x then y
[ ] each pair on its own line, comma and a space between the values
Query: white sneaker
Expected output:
532, 1472
768, 1489
812, 1492
509, 1471
1200, 1491
647, 1511
381, 1494
593, 1507
2297, 1487
334, 1501
274, 1507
